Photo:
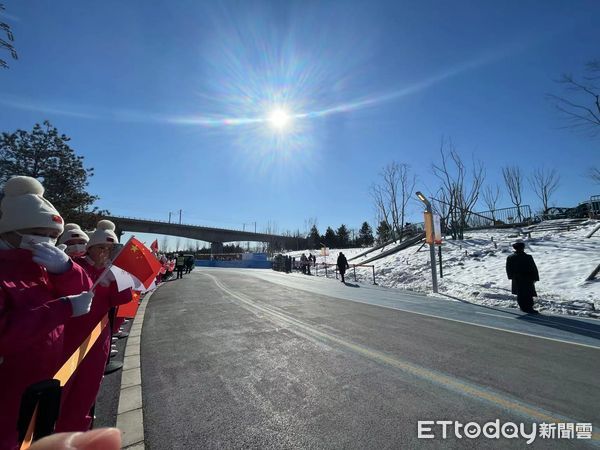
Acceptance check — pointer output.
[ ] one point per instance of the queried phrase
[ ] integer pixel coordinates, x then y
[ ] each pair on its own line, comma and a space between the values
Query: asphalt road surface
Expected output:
258, 359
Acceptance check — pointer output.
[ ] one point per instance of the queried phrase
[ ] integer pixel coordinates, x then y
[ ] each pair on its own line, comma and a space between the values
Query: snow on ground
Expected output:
474, 269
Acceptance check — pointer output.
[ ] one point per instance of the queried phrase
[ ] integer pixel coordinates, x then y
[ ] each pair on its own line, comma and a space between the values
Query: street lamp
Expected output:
429, 221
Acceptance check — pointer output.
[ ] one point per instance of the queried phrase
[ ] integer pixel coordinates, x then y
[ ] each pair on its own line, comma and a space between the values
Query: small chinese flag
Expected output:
129, 310
138, 261
154, 246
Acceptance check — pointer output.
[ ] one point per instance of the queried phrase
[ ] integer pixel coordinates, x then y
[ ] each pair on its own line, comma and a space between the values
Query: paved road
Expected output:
255, 359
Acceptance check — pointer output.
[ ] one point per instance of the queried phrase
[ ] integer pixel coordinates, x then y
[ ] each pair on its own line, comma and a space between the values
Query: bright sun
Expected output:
279, 118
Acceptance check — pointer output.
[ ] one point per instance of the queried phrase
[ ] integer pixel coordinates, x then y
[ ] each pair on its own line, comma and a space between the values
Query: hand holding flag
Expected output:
134, 267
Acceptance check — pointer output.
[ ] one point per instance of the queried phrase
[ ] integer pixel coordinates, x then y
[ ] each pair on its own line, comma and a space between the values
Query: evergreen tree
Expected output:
314, 239
44, 154
365, 235
384, 232
330, 238
343, 237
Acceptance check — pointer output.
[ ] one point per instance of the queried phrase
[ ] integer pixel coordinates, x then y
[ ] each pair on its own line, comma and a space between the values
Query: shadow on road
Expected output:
580, 327
351, 285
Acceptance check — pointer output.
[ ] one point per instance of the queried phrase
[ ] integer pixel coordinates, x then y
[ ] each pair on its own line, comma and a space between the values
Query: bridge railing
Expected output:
164, 222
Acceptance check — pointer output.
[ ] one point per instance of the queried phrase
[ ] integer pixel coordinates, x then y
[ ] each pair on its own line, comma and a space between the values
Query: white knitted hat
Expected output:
23, 206
72, 231
103, 234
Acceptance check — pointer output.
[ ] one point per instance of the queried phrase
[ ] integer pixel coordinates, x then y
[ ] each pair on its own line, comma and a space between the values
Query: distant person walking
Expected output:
342, 265
288, 264
189, 264
521, 269
180, 265
309, 263
303, 263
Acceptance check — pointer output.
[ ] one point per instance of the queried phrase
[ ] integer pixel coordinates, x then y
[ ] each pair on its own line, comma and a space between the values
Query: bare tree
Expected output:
582, 107
544, 183
164, 244
308, 224
460, 191
392, 195
406, 186
440, 203
491, 195
594, 174
270, 228
513, 178
381, 205
6, 45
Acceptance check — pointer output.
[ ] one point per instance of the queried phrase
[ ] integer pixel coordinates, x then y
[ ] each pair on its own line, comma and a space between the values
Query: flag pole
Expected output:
103, 274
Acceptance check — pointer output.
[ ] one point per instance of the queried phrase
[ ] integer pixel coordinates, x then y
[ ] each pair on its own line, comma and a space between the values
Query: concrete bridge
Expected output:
216, 236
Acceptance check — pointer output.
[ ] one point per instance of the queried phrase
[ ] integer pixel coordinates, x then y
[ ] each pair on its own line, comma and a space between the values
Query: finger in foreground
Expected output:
100, 439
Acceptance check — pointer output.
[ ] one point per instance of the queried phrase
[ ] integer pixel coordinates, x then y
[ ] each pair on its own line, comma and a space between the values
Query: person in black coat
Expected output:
342, 265
521, 269
288, 263
303, 263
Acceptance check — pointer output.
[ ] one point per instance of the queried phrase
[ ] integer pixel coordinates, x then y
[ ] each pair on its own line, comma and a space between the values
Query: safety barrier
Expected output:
500, 217
352, 266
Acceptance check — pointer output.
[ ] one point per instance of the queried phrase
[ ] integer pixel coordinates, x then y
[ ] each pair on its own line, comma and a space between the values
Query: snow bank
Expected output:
474, 269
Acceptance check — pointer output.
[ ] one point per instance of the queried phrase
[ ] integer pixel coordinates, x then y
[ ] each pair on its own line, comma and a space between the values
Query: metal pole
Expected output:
373, 274
354, 272
432, 254
180, 217
427, 204
440, 256
433, 269
169, 216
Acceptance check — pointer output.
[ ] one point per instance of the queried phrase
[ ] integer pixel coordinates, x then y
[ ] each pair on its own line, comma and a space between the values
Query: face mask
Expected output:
76, 250
29, 240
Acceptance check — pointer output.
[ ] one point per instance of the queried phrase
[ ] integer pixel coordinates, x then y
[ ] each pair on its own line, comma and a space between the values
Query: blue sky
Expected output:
169, 101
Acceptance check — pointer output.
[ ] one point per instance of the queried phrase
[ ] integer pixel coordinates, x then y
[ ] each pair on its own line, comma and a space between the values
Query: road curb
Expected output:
130, 415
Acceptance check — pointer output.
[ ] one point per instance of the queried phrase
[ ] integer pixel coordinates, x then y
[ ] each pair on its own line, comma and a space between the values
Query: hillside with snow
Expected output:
474, 269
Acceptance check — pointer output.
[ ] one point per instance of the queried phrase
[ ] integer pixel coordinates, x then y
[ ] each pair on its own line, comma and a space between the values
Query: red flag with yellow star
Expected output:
129, 310
136, 259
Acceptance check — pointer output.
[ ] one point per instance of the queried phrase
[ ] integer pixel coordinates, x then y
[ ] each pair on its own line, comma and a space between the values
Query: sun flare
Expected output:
279, 119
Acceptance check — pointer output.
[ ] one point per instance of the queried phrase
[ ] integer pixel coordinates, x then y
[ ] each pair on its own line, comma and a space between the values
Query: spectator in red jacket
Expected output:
40, 289
79, 395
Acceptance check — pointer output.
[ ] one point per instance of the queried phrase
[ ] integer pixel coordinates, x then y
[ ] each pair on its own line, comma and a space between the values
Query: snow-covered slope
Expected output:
474, 269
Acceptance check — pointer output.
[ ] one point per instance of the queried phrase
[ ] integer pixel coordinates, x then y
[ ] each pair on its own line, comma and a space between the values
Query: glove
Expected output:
52, 258
81, 304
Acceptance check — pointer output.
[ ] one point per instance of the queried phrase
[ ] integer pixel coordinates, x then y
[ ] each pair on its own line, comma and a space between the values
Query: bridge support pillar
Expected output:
216, 247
